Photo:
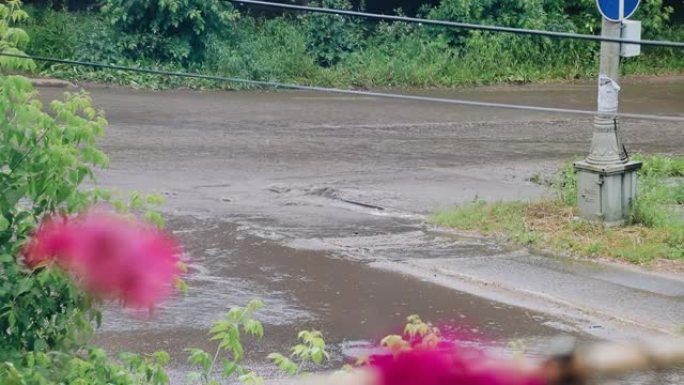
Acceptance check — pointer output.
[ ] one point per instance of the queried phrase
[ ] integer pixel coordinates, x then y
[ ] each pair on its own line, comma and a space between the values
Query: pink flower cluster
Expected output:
450, 364
110, 256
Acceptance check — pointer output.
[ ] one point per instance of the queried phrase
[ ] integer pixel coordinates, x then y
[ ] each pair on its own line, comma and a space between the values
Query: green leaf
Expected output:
284, 364
251, 378
192, 378
181, 285
155, 218
236, 314
155, 199
229, 368
254, 327
199, 357
120, 206
4, 223
220, 326
300, 351
236, 348
255, 305
317, 355
162, 357
24, 286
218, 336
131, 360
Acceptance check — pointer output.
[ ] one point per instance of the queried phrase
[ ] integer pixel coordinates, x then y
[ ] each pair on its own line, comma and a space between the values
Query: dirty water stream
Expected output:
353, 304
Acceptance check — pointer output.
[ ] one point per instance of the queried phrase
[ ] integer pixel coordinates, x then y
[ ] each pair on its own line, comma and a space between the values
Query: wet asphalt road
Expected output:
316, 204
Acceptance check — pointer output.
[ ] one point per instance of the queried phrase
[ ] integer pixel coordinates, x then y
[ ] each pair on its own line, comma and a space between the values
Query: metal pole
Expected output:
606, 179
606, 144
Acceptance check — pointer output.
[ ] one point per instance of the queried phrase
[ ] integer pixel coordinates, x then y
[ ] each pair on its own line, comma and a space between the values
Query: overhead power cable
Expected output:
278, 85
455, 24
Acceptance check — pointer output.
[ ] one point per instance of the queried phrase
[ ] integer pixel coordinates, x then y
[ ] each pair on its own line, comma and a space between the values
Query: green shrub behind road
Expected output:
579, 16
330, 38
341, 51
274, 49
78, 35
170, 30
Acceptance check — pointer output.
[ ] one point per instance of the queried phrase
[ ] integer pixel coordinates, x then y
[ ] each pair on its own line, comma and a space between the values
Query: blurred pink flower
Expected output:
449, 364
110, 256
47, 243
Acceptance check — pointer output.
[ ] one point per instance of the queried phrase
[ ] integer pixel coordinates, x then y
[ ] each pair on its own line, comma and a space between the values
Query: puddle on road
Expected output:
347, 300
353, 304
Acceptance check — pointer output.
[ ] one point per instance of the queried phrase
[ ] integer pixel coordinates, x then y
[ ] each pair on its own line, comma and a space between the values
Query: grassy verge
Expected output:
280, 49
655, 230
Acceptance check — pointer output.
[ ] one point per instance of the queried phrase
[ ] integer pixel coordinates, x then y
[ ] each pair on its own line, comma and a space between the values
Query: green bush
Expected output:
513, 58
45, 319
52, 32
171, 30
90, 367
573, 15
12, 39
405, 61
337, 50
44, 159
273, 49
332, 37
73, 35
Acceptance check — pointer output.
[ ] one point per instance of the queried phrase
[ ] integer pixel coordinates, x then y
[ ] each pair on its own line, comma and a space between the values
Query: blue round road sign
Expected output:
617, 10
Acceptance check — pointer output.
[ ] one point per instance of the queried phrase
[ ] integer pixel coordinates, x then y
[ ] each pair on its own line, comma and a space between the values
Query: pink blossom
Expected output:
47, 243
449, 364
110, 256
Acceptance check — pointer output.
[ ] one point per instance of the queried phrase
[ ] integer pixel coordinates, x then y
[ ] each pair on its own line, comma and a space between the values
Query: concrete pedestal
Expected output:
606, 192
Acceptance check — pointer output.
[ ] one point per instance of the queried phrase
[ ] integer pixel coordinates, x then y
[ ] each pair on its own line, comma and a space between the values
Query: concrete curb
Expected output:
53, 83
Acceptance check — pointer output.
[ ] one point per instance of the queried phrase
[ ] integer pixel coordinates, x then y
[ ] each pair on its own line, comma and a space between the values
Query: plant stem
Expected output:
213, 362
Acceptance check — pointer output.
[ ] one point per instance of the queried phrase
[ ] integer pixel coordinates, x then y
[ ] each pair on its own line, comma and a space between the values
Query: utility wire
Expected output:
277, 85
454, 24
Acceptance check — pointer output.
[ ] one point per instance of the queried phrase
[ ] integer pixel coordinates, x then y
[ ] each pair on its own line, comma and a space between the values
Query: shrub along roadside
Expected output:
655, 230
334, 51
45, 318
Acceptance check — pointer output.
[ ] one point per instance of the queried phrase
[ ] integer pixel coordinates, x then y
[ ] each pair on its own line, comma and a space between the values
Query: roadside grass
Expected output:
389, 55
655, 229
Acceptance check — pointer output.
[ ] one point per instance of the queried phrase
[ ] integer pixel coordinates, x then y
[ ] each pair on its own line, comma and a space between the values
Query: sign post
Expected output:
606, 179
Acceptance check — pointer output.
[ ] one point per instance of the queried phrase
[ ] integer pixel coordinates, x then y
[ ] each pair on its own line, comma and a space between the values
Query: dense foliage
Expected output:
45, 155
340, 51
174, 30
44, 158
331, 38
13, 40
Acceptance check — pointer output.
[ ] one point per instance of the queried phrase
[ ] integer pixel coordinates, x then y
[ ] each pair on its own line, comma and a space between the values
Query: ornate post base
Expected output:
606, 193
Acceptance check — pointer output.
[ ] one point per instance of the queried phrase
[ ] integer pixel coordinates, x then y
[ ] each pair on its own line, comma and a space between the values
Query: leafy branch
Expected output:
311, 349
228, 332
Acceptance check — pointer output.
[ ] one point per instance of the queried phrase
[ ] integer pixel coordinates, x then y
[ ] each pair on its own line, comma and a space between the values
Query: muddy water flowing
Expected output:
348, 300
